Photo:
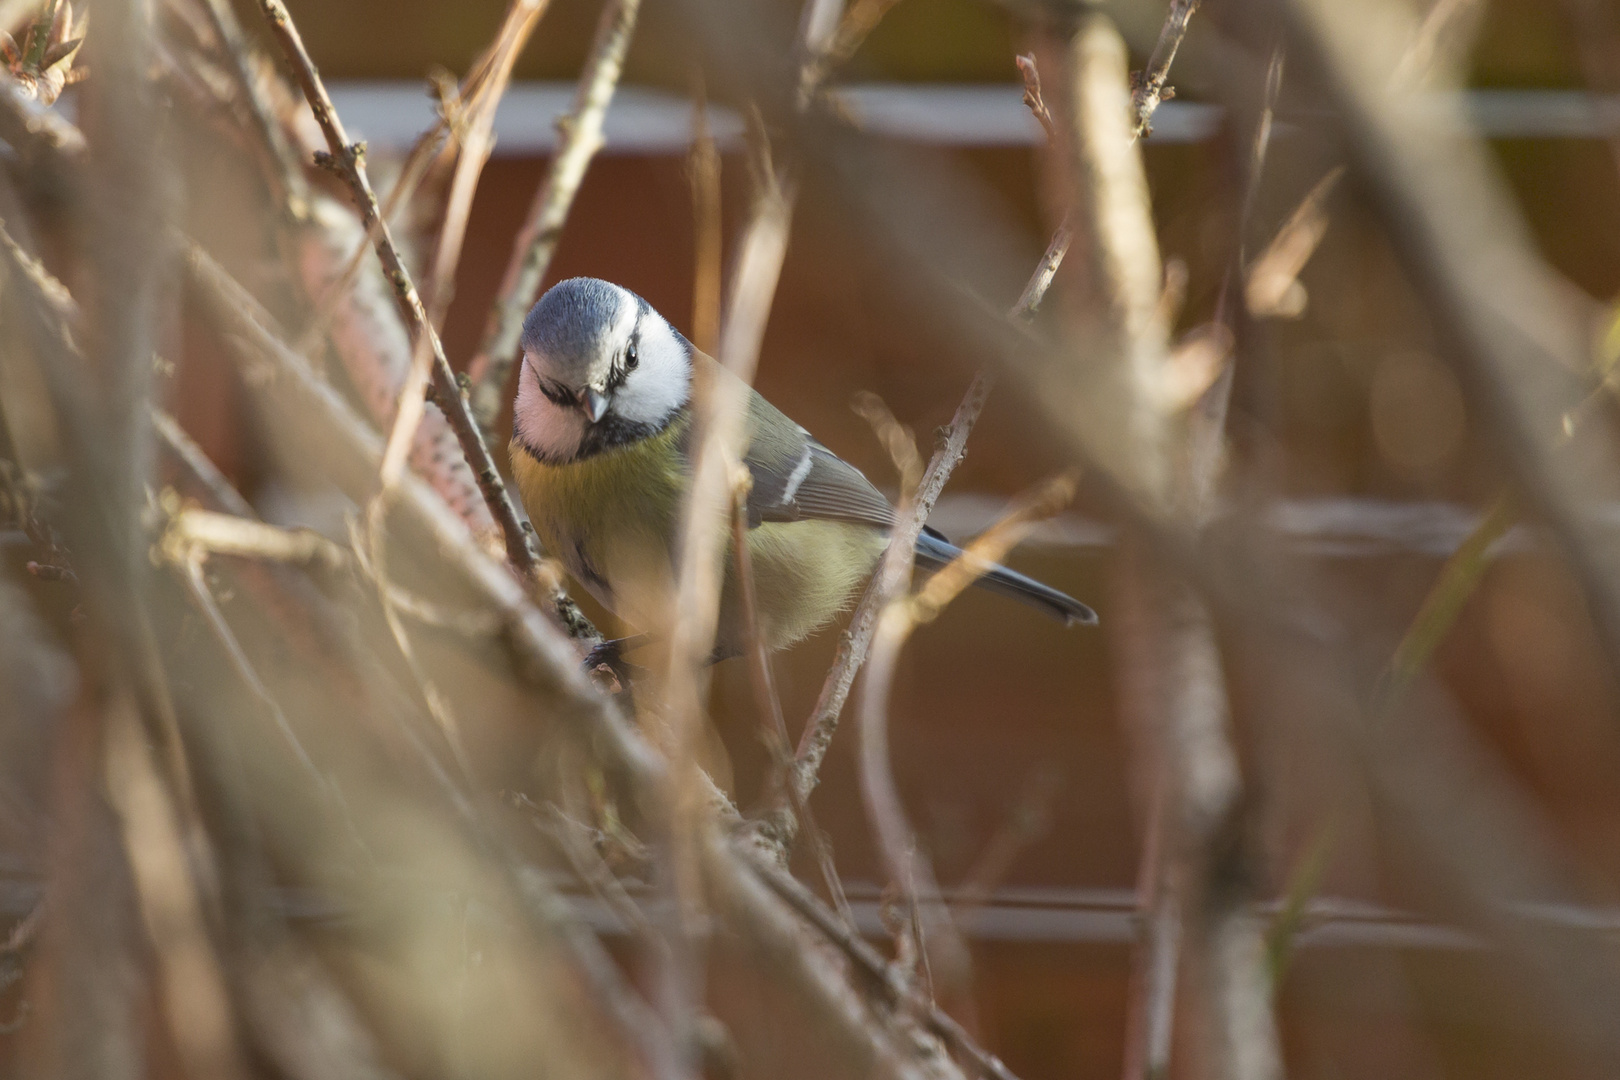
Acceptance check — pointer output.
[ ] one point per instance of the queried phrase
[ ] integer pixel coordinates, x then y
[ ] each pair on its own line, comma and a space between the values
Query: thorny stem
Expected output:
347, 160
581, 133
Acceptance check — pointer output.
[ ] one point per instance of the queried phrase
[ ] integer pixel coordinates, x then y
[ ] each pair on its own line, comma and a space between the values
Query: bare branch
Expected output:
1033, 101
1178, 671
703, 170
1151, 87
348, 160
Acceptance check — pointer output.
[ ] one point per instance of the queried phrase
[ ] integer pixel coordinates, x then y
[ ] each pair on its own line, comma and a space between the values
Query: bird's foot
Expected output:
610, 655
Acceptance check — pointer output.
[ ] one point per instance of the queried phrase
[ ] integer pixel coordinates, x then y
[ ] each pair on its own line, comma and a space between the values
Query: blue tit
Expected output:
600, 451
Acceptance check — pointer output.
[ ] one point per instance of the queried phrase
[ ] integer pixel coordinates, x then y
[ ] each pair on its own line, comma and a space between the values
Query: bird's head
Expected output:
600, 369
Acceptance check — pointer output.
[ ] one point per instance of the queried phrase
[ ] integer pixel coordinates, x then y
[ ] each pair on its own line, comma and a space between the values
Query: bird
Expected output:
600, 452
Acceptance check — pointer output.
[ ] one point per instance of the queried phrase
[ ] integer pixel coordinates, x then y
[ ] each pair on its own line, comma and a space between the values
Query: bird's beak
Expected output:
595, 404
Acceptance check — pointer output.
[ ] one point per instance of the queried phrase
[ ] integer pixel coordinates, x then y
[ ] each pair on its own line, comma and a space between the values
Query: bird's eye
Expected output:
631, 360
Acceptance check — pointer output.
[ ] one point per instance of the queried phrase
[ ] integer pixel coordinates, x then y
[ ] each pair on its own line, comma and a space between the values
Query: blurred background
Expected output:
1008, 743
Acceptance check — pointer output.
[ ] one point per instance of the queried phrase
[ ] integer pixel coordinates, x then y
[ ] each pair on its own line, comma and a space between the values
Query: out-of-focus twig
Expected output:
226, 498
773, 728
1177, 668
719, 438
1027, 821
1452, 587
1272, 288
348, 160
1440, 43
581, 138
1150, 87
192, 573
703, 172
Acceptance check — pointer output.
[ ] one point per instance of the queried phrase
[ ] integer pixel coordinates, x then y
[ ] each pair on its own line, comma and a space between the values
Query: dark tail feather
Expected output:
934, 551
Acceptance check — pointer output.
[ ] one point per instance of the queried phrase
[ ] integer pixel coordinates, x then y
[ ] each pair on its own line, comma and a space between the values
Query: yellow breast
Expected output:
611, 520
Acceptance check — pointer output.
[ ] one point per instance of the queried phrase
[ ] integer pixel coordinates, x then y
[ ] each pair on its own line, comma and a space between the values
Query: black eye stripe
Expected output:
557, 395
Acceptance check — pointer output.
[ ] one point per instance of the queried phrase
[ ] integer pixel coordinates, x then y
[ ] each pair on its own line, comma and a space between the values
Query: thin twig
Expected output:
191, 530
581, 132
1151, 86
772, 727
348, 161
1026, 823
203, 471
703, 171
1033, 100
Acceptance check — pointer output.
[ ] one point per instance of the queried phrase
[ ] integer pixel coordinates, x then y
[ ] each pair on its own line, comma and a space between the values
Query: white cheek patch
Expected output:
549, 429
663, 380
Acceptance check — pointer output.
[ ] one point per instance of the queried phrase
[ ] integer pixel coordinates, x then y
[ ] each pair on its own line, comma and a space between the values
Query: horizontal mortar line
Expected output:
1324, 527
391, 114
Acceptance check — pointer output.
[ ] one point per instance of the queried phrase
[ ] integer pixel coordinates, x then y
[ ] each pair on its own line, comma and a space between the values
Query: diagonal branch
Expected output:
347, 160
